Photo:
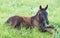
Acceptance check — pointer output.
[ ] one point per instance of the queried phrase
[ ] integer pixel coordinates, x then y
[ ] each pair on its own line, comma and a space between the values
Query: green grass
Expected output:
28, 8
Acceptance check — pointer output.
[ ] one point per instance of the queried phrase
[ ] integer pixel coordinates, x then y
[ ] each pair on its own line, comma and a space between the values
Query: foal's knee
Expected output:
42, 29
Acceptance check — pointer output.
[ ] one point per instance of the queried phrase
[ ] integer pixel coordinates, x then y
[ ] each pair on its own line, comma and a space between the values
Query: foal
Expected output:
39, 20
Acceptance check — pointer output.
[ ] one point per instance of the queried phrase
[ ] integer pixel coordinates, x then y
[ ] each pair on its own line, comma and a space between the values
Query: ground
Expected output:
28, 8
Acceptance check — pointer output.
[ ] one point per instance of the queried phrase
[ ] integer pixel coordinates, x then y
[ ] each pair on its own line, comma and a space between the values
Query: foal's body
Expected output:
27, 21
21, 21
39, 21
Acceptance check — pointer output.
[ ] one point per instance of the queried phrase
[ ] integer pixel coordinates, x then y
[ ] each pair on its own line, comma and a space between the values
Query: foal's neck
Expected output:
35, 17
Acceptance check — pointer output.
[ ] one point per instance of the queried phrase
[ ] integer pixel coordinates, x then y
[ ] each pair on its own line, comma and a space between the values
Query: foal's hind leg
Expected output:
18, 24
14, 24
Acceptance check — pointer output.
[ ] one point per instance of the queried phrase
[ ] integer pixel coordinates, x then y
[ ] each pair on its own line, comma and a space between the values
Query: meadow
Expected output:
28, 8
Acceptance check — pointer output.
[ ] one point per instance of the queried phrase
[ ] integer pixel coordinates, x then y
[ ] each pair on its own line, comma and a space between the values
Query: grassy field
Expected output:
28, 8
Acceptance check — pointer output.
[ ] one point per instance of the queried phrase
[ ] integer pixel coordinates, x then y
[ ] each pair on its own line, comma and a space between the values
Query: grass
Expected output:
28, 8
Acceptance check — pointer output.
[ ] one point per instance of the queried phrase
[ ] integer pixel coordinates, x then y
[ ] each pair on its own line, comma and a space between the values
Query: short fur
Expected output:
39, 20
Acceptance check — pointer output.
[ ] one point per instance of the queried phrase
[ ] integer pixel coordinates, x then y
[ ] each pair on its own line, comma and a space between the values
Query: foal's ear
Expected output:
40, 7
46, 7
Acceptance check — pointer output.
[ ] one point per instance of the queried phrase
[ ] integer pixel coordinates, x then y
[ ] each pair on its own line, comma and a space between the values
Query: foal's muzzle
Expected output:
47, 22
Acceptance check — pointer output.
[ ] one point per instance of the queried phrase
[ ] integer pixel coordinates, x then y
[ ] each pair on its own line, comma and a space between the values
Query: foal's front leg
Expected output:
52, 27
43, 28
48, 30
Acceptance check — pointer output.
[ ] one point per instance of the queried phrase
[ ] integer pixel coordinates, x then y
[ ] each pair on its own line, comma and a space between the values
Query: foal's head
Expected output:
44, 13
